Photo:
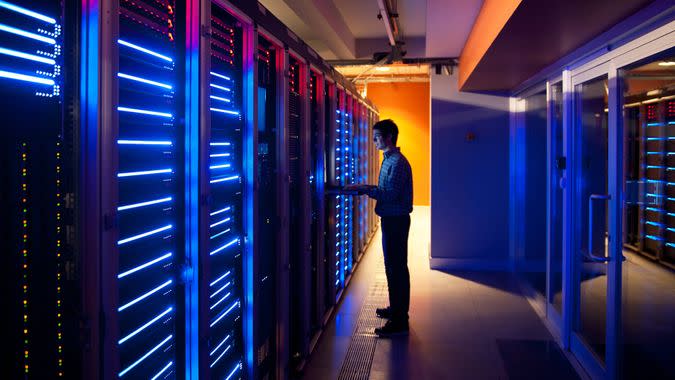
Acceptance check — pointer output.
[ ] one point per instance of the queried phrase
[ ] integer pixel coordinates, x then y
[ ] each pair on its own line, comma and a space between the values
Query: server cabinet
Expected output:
222, 224
142, 147
348, 139
317, 185
299, 203
40, 266
331, 201
271, 273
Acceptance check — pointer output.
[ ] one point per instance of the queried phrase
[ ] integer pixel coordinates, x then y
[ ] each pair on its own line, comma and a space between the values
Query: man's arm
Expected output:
400, 175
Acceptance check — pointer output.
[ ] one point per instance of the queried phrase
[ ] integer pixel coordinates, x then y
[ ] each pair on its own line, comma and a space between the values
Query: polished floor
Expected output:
463, 325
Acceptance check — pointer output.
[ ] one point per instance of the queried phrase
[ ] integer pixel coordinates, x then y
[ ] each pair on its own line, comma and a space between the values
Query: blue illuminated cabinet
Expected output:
165, 167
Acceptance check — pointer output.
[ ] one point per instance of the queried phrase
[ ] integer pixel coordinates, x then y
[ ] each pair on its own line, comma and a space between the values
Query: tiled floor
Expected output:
466, 325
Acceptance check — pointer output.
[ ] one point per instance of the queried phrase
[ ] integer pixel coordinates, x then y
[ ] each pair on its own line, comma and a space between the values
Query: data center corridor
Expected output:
463, 325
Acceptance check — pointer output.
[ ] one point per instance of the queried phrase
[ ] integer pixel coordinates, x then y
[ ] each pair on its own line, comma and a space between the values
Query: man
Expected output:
394, 195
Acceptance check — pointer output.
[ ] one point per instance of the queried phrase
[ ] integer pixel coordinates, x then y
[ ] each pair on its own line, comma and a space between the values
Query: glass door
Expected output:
592, 224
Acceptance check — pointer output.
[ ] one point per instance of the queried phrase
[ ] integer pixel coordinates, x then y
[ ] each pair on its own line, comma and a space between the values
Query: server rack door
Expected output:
223, 213
332, 202
143, 198
37, 196
299, 209
317, 183
350, 173
271, 201
340, 208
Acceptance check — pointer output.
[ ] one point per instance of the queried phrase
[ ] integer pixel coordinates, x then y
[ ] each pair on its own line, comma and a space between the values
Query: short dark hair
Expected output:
388, 128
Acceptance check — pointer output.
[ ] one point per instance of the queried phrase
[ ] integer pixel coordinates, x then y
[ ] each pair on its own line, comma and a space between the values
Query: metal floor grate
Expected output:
359, 358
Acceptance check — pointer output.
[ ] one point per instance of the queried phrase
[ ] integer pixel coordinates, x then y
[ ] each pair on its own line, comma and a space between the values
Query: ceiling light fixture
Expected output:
667, 63
383, 68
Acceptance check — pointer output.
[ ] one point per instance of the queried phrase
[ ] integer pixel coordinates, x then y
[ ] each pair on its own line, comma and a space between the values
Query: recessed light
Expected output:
667, 63
383, 68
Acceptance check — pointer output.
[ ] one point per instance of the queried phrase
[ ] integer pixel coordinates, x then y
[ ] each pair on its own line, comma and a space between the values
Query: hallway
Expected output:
463, 325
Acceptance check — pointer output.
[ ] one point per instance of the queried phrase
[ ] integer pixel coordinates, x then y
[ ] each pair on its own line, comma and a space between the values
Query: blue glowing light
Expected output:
654, 124
231, 178
150, 322
220, 144
224, 314
224, 166
144, 142
145, 234
220, 98
220, 87
143, 80
162, 371
144, 112
220, 278
137, 362
144, 172
671, 245
219, 234
654, 224
23, 33
143, 266
220, 75
219, 345
143, 204
220, 356
654, 209
220, 155
233, 242
30, 57
144, 50
220, 222
144, 296
26, 78
26, 12
221, 289
224, 111
652, 237
220, 211
220, 301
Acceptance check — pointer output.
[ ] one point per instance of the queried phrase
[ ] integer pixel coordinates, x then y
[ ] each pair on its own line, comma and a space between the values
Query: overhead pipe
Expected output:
390, 24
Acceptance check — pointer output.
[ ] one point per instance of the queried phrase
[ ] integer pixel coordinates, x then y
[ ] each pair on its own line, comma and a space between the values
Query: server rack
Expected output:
142, 144
40, 266
651, 227
222, 219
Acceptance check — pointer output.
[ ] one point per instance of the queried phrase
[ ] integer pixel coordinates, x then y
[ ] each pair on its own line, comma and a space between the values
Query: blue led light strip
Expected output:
219, 234
144, 112
23, 33
220, 87
137, 362
26, 78
144, 142
224, 111
143, 266
234, 370
220, 98
26, 12
231, 178
220, 76
144, 296
143, 204
162, 370
220, 144
220, 278
27, 56
222, 210
221, 289
150, 322
224, 166
144, 172
224, 314
219, 155
145, 234
144, 50
224, 247
220, 222
219, 301
220, 356
219, 345
143, 80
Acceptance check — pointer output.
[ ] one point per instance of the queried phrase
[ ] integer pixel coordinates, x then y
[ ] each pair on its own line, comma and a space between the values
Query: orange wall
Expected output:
408, 105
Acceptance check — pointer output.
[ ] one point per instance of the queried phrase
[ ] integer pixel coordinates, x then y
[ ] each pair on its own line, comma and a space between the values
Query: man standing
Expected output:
394, 195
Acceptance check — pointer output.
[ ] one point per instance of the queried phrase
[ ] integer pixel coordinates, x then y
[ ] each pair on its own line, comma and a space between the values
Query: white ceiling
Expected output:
349, 29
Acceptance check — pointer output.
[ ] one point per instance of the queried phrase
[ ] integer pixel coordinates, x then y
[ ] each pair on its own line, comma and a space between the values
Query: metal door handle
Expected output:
594, 197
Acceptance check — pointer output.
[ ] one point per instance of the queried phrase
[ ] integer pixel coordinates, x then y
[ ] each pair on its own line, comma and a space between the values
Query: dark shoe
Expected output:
391, 329
384, 312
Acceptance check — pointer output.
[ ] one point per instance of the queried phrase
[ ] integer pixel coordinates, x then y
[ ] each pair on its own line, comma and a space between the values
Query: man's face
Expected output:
381, 142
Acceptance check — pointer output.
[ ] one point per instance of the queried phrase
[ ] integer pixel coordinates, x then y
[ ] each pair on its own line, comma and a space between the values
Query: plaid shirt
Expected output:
394, 192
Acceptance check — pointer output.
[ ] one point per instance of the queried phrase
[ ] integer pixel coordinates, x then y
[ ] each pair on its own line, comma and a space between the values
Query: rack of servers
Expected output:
168, 169
650, 213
